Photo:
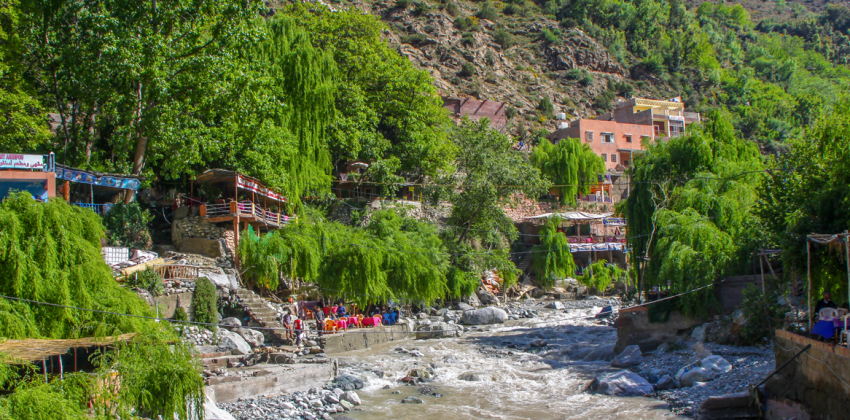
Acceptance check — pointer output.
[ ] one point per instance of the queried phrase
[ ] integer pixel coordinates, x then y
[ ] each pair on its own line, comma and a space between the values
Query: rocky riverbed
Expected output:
538, 364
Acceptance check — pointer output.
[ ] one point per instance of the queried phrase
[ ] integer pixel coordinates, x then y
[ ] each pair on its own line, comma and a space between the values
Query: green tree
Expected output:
488, 174
552, 258
572, 166
600, 275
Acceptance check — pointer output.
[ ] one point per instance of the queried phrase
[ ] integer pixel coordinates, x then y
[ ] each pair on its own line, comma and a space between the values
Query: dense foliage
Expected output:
147, 279
552, 258
50, 252
691, 210
807, 192
127, 226
572, 166
599, 275
205, 302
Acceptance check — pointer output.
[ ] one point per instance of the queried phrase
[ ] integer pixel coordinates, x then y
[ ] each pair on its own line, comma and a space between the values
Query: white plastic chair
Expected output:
842, 312
826, 314
845, 335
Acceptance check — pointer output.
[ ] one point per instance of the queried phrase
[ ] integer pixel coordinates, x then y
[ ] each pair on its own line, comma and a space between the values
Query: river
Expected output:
516, 381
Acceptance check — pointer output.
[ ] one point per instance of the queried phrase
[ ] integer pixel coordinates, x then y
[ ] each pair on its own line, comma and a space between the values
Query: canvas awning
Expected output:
573, 215
116, 181
243, 182
826, 239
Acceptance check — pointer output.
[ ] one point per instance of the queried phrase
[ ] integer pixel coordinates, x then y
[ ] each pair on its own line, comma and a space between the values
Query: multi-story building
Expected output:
668, 118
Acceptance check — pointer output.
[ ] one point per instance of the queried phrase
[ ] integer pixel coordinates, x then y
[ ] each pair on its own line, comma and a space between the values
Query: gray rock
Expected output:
688, 377
699, 333
537, 293
665, 383
716, 365
231, 322
351, 397
463, 307
253, 337
346, 405
412, 400
473, 377
490, 315
538, 343
556, 305
232, 342
347, 383
486, 297
438, 330
622, 384
331, 398
631, 356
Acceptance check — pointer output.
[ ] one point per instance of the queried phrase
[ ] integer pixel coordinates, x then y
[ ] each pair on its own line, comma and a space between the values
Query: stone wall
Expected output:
197, 227
168, 304
363, 338
730, 293
818, 380
633, 327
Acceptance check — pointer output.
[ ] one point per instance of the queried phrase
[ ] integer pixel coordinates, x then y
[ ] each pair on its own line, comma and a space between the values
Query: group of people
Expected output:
296, 327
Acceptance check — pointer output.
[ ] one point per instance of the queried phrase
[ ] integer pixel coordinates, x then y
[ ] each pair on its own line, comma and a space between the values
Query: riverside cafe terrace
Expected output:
31, 173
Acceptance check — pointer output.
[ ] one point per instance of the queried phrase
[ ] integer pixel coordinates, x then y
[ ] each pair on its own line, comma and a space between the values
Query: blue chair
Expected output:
387, 319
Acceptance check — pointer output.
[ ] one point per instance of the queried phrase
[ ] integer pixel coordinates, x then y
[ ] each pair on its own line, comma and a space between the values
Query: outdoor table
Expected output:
341, 324
353, 321
826, 328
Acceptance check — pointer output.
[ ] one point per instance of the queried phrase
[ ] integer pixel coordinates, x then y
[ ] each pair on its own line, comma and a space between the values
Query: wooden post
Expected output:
847, 250
236, 240
61, 369
809, 275
761, 270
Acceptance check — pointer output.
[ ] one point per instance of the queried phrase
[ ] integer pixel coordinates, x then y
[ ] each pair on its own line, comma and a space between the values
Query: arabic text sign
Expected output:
18, 161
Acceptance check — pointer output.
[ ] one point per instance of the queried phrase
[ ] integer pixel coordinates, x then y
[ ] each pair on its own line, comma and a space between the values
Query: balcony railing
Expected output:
246, 210
593, 198
100, 209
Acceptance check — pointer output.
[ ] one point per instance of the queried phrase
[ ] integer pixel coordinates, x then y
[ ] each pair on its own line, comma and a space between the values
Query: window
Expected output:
607, 137
605, 157
614, 157
628, 138
588, 135
677, 128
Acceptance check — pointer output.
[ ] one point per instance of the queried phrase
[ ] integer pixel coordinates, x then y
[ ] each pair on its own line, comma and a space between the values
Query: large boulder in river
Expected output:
556, 305
688, 377
438, 330
252, 337
486, 297
231, 322
716, 364
463, 307
347, 383
622, 384
631, 356
232, 342
490, 315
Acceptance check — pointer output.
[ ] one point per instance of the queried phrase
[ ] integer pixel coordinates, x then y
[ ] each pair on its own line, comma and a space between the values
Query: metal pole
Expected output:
761, 270
847, 249
809, 275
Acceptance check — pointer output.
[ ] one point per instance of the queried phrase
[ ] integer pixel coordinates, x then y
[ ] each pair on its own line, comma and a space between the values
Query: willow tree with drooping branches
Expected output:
552, 258
600, 275
572, 166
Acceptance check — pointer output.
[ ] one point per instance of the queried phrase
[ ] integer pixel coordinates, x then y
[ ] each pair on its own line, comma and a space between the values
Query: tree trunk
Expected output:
90, 140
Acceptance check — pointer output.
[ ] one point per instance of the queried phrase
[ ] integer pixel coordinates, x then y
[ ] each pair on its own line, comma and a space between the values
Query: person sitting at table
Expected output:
826, 302
340, 310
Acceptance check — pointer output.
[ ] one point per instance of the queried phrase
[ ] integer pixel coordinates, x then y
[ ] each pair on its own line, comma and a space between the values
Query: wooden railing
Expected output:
177, 271
244, 209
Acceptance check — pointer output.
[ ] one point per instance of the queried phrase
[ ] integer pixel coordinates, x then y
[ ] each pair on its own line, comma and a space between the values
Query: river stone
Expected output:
463, 307
689, 377
231, 322
486, 297
232, 342
622, 384
665, 383
442, 312
606, 312
538, 343
351, 397
631, 356
438, 330
473, 377
412, 400
346, 405
699, 333
483, 316
716, 365
556, 305
253, 337
537, 293
331, 398
347, 383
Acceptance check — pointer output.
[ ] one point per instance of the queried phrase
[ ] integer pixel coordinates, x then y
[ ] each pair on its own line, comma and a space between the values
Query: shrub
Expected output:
489, 58
180, 314
549, 37
512, 9
586, 80
452, 9
763, 314
654, 64
467, 39
127, 225
575, 73
429, 29
205, 302
603, 100
510, 112
546, 108
487, 12
413, 39
420, 8
568, 23
402, 4
624, 89
503, 38
467, 70
464, 23
146, 279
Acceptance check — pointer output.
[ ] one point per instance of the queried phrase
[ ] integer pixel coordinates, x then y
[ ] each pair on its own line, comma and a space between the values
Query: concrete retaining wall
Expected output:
633, 327
365, 338
275, 380
168, 304
817, 380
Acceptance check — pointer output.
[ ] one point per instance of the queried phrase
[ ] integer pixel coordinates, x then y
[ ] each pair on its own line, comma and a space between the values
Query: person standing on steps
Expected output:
319, 315
287, 323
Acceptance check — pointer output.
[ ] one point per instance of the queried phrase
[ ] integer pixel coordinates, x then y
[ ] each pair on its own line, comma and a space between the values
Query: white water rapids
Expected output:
518, 382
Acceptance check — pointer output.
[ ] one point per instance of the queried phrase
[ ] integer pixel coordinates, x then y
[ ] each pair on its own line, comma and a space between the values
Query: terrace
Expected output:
249, 202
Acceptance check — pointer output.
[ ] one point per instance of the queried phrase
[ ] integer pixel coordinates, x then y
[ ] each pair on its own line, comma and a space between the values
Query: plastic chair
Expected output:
845, 335
825, 314
842, 312
330, 326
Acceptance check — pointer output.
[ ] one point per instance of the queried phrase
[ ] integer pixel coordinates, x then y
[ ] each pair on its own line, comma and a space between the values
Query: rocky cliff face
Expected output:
472, 59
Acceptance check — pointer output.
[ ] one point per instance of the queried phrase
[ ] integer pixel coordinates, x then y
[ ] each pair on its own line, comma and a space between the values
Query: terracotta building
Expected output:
31, 173
613, 141
475, 110
668, 118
